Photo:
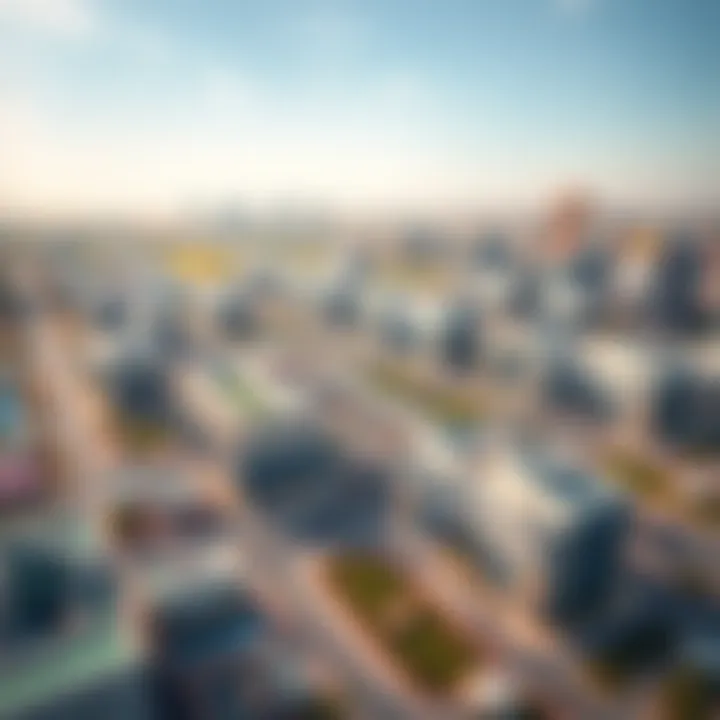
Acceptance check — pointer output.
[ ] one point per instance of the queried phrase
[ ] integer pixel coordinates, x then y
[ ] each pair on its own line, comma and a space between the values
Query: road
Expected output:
273, 559
274, 563
541, 663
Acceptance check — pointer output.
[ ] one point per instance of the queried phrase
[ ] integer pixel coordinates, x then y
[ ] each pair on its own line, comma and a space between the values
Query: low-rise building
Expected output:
67, 652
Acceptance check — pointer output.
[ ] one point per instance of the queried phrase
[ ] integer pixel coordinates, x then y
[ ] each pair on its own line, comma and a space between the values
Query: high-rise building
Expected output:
674, 298
570, 389
685, 410
554, 531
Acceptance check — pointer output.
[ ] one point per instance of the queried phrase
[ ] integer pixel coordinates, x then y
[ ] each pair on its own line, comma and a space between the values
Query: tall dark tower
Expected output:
675, 304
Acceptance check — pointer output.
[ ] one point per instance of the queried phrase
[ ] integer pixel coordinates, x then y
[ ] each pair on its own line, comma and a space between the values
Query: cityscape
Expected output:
280, 443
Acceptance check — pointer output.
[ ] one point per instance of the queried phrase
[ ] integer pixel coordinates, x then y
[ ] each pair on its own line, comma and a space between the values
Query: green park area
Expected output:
688, 696
142, 437
425, 278
237, 389
638, 475
653, 483
441, 404
433, 653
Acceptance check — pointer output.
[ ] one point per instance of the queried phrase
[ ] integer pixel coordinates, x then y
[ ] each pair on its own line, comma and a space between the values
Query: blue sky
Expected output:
152, 104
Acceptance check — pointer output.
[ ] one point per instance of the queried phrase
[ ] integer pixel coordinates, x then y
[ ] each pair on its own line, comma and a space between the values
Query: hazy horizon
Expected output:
153, 108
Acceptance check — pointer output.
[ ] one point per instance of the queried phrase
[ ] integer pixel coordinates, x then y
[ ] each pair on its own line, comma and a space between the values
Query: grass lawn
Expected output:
652, 482
638, 475
140, 436
304, 257
433, 653
239, 391
203, 264
439, 403
414, 278
686, 696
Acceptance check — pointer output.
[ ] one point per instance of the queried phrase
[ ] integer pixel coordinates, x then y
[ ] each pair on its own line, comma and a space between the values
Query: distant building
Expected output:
570, 389
523, 300
459, 342
237, 316
675, 303
590, 270
685, 410
265, 282
111, 312
341, 305
139, 387
397, 328
422, 246
171, 334
492, 251
554, 532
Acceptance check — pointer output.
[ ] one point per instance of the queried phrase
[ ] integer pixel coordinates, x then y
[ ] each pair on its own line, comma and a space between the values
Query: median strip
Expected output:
434, 655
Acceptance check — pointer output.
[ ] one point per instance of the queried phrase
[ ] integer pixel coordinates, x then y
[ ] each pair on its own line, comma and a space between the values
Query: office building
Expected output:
674, 299
624, 370
685, 411
569, 389
553, 531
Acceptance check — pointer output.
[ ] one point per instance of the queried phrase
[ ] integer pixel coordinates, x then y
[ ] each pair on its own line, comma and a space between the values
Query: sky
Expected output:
151, 106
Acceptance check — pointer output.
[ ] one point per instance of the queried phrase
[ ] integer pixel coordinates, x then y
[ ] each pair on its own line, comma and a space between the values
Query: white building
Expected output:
553, 531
